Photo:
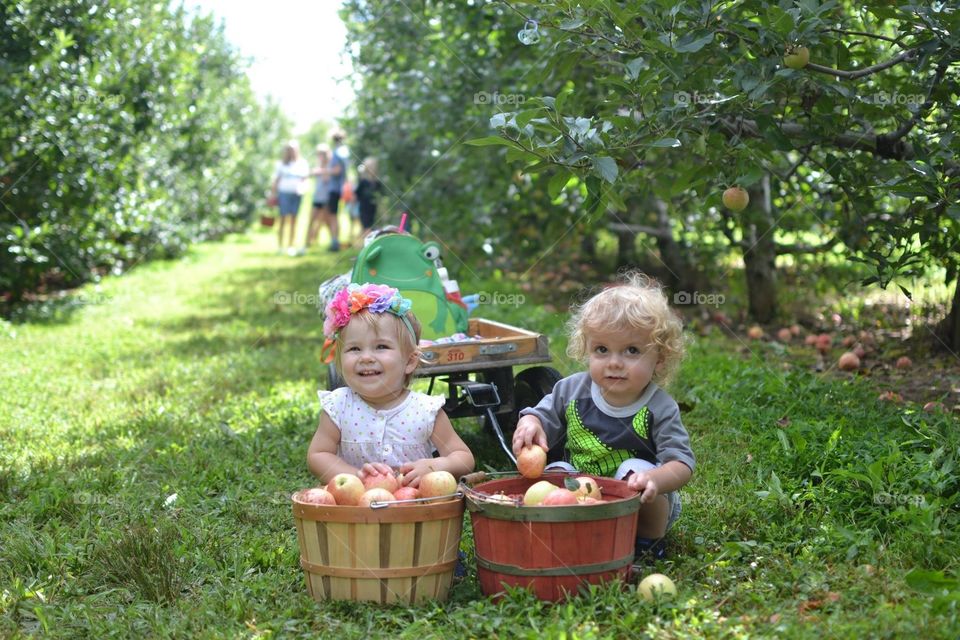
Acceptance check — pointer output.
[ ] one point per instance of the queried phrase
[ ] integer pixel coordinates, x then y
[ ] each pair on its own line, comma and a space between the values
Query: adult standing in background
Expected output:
337, 174
289, 184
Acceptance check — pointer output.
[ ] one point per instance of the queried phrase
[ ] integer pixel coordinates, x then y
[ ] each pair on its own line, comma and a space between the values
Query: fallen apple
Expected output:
656, 586
796, 57
736, 198
795, 329
784, 335
377, 494
903, 362
531, 461
559, 498
754, 332
849, 362
536, 493
316, 495
386, 481
346, 488
437, 483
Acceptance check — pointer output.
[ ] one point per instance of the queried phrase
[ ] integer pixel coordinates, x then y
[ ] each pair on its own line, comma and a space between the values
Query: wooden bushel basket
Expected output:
267, 221
402, 553
552, 550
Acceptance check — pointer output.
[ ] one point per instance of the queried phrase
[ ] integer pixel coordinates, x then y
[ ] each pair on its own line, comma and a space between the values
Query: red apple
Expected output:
849, 362
848, 341
406, 493
859, 350
754, 332
386, 481
316, 495
560, 498
795, 329
531, 461
810, 340
587, 500
933, 407
377, 494
824, 342
890, 396
437, 483
784, 335
736, 198
903, 362
537, 492
346, 488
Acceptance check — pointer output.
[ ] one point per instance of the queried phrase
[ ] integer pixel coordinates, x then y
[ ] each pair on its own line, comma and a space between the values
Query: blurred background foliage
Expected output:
128, 130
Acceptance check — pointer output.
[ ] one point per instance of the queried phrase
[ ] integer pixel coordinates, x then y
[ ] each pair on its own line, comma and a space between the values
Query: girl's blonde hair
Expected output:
636, 303
409, 343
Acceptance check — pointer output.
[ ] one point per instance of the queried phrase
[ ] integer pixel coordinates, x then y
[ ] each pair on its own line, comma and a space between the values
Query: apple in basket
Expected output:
500, 498
437, 483
386, 481
316, 495
584, 487
346, 488
377, 494
406, 493
537, 492
560, 498
531, 461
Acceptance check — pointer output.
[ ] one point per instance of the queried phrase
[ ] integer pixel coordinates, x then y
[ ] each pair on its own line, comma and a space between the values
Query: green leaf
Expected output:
635, 66
779, 20
931, 581
690, 43
606, 167
570, 483
666, 143
557, 183
488, 141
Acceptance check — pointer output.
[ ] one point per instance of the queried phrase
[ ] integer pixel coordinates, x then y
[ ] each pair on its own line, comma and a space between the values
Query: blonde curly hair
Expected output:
636, 303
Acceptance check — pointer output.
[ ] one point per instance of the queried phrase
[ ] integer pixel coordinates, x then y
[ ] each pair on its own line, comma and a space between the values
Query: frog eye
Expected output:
431, 252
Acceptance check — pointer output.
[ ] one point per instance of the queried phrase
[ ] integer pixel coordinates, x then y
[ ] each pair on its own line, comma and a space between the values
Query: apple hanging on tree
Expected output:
736, 198
796, 57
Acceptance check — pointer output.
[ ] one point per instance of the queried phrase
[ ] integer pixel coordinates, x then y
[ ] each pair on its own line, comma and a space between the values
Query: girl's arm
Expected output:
322, 458
455, 456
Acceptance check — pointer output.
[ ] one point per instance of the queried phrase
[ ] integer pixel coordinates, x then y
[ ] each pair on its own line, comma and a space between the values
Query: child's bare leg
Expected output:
652, 518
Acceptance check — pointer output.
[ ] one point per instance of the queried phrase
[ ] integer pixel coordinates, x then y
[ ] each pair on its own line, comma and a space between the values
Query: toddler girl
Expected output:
614, 420
376, 424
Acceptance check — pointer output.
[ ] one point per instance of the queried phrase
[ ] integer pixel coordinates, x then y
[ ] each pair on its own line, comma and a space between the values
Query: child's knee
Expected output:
652, 518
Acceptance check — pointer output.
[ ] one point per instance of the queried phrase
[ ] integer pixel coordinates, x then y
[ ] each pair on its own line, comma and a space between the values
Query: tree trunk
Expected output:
949, 329
626, 249
679, 278
760, 254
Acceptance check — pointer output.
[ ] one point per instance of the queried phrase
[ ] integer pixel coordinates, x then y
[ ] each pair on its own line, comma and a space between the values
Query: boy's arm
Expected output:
545, 424
322, 458
664, 479
455, 456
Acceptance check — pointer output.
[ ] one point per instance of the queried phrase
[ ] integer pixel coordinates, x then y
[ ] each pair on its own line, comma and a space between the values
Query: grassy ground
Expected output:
153, 426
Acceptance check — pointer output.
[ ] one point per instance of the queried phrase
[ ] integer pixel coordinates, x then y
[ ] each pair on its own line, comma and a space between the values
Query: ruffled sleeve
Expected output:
431, 405
333, 403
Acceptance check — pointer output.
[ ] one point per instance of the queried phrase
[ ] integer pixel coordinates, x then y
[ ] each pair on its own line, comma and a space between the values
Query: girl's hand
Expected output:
645, 484
414, 471
373, 469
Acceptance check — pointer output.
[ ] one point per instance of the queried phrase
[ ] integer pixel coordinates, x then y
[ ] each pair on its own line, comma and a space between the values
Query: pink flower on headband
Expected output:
375, 298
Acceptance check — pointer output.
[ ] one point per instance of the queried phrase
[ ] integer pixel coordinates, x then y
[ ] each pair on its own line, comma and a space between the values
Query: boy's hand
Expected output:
645, 484
529, 431
373, 469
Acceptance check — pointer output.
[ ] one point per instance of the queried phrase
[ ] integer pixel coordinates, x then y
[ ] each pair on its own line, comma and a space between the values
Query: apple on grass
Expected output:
346, 488
537, 492
656, 586
316, 495
386, 481
531, 461
376, 494
437, 483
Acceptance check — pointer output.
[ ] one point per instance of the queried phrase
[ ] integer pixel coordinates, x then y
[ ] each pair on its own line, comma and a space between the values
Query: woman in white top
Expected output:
289, 184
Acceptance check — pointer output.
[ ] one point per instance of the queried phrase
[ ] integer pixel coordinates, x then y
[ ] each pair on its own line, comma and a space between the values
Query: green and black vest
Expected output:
598, 443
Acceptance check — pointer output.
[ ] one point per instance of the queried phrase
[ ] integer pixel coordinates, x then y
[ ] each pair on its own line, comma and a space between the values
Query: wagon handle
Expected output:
389, 503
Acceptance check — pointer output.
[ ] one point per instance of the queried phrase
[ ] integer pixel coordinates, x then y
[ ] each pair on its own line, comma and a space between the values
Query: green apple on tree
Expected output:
796, 57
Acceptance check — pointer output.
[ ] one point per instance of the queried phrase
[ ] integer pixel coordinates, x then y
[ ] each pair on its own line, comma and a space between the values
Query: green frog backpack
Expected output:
414, 268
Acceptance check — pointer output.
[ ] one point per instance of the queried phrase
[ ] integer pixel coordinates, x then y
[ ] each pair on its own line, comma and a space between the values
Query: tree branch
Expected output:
795, 249
884, 147
866, 71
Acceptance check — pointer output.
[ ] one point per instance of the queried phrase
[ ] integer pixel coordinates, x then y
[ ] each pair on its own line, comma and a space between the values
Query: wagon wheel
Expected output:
530, 386
334, 381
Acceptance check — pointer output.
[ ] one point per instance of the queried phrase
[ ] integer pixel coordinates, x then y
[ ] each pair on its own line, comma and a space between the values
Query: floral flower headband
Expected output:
354, 298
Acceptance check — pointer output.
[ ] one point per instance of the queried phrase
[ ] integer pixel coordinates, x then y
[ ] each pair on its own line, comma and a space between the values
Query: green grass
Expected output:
154, 425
